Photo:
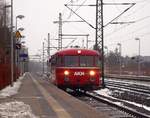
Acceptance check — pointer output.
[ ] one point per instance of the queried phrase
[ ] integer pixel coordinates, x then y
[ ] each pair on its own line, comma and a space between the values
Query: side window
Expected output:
53, 61
1, 59
59, 60
97, 61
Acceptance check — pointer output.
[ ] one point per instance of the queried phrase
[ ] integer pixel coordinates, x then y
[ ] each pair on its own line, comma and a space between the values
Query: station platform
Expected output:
47, 101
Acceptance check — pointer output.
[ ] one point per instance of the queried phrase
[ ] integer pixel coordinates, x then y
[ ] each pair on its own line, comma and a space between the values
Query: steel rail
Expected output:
129, 87
111, 102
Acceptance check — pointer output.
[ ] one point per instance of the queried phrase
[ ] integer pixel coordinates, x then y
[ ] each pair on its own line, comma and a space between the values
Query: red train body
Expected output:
76, 69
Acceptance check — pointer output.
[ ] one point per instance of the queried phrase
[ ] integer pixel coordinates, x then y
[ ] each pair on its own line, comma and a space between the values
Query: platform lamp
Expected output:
18, 17
106, 59
120, 49
139, 65
20, 29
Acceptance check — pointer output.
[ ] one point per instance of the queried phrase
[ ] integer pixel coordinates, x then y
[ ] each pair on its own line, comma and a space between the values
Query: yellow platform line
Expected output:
59, 110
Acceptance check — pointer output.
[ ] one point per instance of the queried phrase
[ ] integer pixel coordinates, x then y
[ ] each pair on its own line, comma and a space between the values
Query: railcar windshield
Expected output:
82, 61
86, 61
71, 61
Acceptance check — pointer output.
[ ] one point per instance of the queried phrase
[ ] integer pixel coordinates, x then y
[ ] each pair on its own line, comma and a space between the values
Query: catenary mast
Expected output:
99, 40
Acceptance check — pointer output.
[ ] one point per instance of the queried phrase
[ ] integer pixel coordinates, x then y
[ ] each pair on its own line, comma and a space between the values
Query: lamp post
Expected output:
139, 65
18, 50
20, 17
106, 49
120, 62
20, 29
106, 58
12, 47
43, 58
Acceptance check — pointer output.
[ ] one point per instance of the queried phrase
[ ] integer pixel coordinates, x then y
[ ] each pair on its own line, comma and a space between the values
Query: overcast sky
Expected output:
40, 14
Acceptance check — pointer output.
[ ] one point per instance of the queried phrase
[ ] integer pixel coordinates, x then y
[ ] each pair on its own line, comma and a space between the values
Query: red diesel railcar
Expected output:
76, 69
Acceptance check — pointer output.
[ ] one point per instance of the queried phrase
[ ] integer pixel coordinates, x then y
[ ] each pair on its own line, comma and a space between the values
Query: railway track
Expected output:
127, 86
130, 91
102, 106
138, 93
129, 77
108, 104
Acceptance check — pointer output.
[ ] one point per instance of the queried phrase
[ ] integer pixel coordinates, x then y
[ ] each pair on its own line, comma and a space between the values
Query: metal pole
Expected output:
99, 41
102, 42
82, 43
96, 40
139, 65
12, 46
16, 23
17, 52
87, 41
120, 61
106, 60
43, 57
5, 25
60, 32
48, 45
48, 53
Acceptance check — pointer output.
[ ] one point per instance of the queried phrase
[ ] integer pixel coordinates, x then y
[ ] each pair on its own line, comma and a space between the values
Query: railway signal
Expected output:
18, 35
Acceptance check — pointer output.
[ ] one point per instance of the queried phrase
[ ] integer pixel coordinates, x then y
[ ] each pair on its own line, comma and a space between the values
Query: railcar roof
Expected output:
77, 51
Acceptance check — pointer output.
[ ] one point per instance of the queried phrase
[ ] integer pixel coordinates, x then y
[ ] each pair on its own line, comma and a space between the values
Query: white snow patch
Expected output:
139, 105
118, 103
16, 110
104, 92
9, 91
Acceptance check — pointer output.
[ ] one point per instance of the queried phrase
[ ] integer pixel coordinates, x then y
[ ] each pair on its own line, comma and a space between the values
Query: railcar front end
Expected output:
76, 69
78, 78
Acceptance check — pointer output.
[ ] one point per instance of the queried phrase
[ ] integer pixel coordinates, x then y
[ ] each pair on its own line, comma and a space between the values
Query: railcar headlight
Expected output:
66, 72
92, 73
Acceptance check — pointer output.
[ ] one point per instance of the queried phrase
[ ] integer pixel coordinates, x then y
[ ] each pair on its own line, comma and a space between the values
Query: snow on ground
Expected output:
106, 92
9, 91
131, 82
16, 109
139, 105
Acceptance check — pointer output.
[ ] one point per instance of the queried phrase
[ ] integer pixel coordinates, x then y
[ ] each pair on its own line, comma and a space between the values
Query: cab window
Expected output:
86, 61
71, 61
97, 61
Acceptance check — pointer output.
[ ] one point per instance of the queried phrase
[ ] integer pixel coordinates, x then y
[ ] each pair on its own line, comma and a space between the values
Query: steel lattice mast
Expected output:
99, 42
60, 32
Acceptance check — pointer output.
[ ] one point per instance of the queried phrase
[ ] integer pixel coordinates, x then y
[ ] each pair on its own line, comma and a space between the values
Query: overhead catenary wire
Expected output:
125, 25
138, 9
80, 17
119, 14
129, 39
78, 7
127, 17
139, 20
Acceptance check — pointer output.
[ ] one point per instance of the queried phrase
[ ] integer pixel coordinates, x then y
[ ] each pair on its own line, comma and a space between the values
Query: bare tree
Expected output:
4, 28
